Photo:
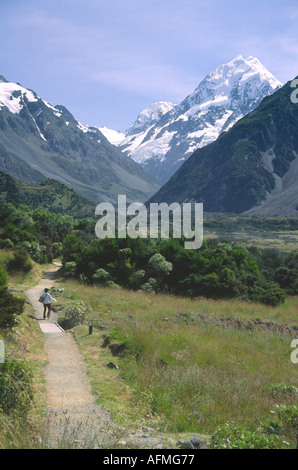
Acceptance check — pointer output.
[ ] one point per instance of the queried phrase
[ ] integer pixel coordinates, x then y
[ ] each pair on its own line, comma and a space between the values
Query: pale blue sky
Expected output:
106, 60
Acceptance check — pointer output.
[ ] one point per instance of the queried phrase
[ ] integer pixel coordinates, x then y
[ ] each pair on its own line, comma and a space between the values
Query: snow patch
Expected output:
12, 96
114, 137
156, 148
82, 127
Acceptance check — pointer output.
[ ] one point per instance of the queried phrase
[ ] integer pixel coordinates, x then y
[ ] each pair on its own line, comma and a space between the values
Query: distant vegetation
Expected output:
230, 223
218, 269
47, 194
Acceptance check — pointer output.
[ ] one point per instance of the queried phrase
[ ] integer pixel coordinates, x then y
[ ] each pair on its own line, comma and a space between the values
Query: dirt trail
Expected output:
74, 419
71, 408
67, 381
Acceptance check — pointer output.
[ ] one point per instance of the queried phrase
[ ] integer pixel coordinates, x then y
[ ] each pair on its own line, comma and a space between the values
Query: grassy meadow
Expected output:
185, 365
279, 233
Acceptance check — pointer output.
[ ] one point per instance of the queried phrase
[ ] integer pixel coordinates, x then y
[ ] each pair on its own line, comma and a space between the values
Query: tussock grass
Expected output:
189, 372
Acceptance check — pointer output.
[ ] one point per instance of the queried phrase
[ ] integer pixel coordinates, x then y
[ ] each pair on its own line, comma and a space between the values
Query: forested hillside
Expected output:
46, 194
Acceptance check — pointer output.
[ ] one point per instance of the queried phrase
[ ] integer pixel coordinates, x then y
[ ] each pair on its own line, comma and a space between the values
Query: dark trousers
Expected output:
45, 307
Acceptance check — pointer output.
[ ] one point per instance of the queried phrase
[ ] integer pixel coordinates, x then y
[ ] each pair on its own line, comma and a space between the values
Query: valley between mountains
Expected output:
151, 345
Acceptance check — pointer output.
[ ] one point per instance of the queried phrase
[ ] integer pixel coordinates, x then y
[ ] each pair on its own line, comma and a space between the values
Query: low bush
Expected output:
69, 269
6, 244
21, 261
35, 250
16, 391
231, 436
75, 314
11, 307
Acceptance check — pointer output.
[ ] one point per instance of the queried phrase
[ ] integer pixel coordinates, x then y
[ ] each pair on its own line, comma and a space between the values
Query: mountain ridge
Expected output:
39, 140
252, 168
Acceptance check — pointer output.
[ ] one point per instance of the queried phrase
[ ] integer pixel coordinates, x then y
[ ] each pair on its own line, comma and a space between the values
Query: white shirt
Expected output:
47, 298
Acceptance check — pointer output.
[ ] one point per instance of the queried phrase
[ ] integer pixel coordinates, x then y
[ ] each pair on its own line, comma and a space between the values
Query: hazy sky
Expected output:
106, 60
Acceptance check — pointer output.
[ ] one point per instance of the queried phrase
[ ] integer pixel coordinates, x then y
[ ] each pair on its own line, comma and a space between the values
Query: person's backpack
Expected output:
41, 299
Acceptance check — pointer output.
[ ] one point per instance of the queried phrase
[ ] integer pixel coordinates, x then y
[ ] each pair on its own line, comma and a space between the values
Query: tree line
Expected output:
219, 269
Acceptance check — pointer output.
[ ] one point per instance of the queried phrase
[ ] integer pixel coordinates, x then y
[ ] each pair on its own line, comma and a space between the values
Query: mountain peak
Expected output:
150, 116
38, 139
245, 171
238, 59
12, 95
239, 67
240, 80
226, 94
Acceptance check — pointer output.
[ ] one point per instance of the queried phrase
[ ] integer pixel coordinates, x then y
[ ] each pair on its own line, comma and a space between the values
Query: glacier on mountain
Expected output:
165, 135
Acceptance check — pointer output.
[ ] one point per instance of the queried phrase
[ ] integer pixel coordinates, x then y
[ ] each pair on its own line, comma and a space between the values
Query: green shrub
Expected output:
57, 249
282, 389
160, 266
101, 276
112, 285
150, 286
7, 244
268, 293
37, 251
70, 269
288, 417
16, 390
11, 307
21, 261
285, 424
75, 314
136, 279
231, 436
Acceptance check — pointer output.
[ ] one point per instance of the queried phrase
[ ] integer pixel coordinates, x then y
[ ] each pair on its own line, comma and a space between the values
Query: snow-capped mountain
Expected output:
115, 137
150, 116
136, 134
224, 96
251, 169
38, 140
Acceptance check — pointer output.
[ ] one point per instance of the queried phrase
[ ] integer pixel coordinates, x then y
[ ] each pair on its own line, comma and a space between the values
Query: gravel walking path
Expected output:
71, 410
74, 419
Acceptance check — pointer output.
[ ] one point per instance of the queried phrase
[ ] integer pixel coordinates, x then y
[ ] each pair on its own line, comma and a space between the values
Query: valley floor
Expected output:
74, 419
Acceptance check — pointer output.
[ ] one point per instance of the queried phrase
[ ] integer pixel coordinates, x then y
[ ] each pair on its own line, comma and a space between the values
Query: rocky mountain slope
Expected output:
251, 168
38, 140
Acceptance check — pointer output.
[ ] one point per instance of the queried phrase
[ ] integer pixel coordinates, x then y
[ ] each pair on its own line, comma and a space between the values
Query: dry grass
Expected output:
191, 372
117, 301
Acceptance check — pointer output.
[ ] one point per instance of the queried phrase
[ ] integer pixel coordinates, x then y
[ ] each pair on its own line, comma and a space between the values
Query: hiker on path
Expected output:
47, 303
